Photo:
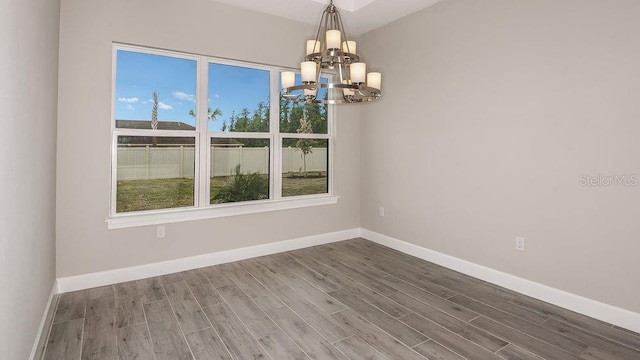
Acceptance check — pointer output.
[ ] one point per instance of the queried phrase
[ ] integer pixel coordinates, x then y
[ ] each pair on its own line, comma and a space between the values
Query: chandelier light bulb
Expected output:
308, 70
313, 47
288, 79
348, 47
374, 80
358, 72
333, 39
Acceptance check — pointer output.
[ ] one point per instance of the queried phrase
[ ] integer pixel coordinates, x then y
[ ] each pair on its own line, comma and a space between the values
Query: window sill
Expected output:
173, 216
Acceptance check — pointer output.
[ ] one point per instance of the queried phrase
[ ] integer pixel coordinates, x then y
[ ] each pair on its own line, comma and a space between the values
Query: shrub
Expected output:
243, 187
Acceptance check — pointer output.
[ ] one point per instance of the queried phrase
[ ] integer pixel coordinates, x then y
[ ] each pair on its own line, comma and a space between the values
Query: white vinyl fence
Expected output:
143, 163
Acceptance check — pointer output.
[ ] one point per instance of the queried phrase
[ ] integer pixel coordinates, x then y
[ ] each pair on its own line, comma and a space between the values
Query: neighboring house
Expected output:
154, 140
146, 124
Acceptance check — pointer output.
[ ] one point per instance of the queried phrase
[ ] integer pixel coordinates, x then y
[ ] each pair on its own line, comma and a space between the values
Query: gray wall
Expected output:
504, 104
28, 100
88, 28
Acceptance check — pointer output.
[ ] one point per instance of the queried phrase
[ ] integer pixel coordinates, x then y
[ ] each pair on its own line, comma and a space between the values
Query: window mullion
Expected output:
276, 142
203, 161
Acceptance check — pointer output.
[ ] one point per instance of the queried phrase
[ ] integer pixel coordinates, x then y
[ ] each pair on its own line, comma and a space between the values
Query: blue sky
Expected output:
138, 75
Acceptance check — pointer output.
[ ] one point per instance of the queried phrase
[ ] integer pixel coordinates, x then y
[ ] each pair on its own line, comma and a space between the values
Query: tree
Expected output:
305, 144
154, 112
211, 114
154, 117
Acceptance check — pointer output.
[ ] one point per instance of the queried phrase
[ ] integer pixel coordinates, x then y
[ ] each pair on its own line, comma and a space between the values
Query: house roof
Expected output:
146, 124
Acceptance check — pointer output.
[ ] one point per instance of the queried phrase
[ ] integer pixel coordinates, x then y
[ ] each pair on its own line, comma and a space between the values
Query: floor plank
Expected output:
451, 323
522, 340
389, 324
604, 347
434, 351
356, 348
71, 306
168, 341
441, 304
379, 340
42, 341
320, 321
207, 345
241, 344
280, 346
217, 276
99, 339
304, 336
188, 312
134, 343
253, 318
512, 352
390, 307
316, 279
448, 339
171, 278
65, 341
128, 305
258, 293
323, 301
353, 272
150, 290
581, 321
572, 346
202, 289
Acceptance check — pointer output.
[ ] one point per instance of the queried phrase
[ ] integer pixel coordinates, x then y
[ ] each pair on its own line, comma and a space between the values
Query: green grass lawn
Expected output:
139, 195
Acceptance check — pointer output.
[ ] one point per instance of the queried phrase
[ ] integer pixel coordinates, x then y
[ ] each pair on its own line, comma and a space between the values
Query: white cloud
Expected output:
129, 100
184, 96
130, 107
164, 106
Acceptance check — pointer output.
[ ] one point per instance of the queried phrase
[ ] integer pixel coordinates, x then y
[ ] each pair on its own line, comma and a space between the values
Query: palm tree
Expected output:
154, 112
211, 115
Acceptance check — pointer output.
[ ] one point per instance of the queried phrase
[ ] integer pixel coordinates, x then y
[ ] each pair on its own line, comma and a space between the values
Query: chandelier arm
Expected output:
344, 33
318, 38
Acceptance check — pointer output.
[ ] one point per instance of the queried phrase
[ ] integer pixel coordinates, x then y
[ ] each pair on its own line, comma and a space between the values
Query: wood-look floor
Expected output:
348, 300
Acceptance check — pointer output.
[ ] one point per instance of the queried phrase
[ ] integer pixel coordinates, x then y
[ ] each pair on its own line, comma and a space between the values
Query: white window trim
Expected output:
144, 218
202, 209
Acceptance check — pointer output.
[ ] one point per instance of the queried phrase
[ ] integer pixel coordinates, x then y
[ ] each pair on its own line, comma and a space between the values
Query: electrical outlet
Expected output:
381, 211
160, 232
519, 243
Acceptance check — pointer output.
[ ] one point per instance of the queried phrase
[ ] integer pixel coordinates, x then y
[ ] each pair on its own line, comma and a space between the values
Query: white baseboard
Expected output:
86, 281
43, 322
595, 309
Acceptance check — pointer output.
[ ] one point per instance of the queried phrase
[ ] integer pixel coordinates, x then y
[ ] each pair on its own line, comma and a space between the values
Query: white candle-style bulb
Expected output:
358, 72
333, 39
288, 79
347, 92
349, 47
308, 70
374, 80
313, 47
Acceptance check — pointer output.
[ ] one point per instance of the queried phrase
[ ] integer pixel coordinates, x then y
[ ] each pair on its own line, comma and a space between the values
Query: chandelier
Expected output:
331, 53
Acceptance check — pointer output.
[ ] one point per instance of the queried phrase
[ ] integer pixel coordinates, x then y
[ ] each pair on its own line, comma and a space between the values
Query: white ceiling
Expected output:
359, 16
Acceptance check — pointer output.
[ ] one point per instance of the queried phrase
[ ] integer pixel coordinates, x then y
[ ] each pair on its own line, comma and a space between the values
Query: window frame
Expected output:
202, 209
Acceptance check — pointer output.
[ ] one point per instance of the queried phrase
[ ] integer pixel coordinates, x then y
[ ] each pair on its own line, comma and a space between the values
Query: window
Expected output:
195, 133
305, 146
